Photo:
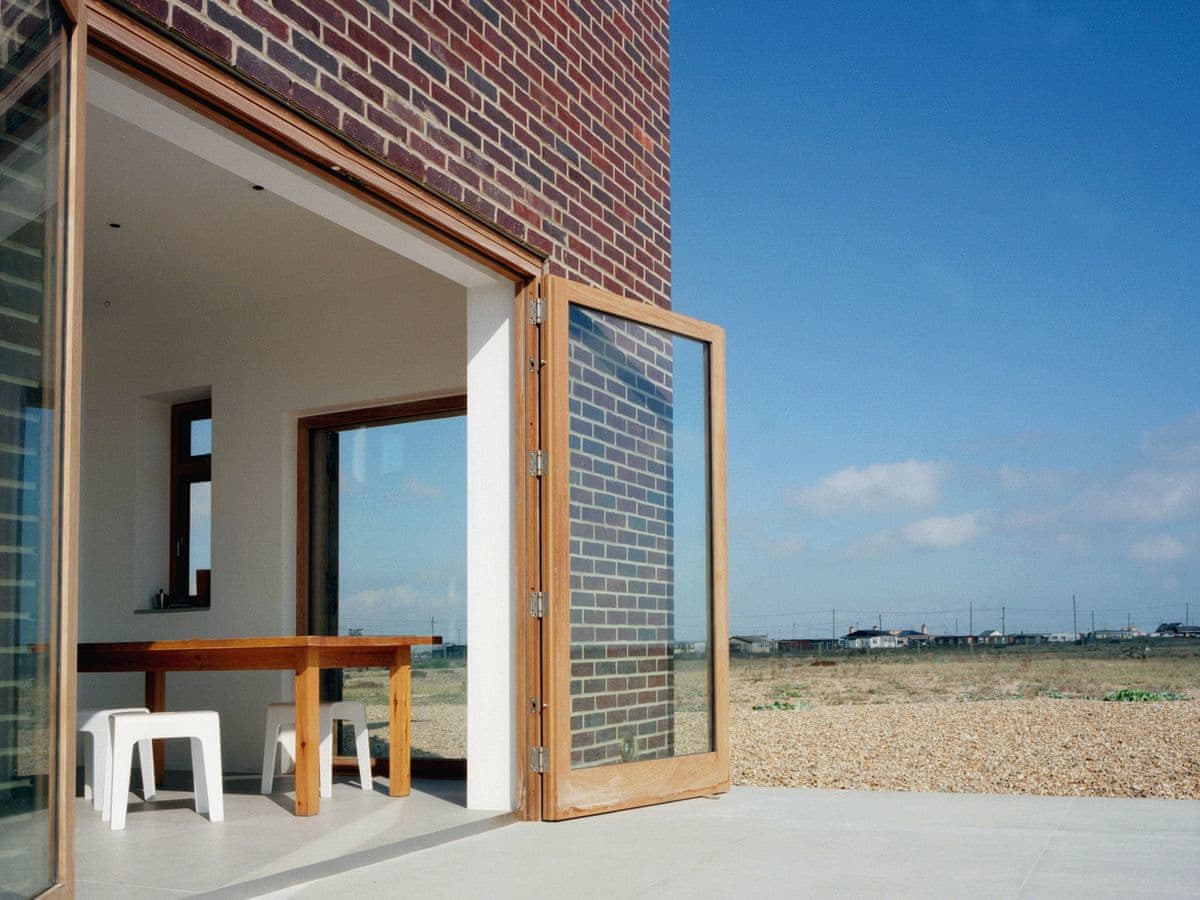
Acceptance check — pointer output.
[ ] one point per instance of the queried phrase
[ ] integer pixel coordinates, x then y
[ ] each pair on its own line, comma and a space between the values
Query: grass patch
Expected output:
1127, 695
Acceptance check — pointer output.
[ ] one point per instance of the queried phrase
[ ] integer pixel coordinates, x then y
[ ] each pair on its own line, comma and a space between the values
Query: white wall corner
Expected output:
491, 551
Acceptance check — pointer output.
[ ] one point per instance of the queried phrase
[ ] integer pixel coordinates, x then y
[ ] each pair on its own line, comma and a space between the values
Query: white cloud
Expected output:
1163, 548
1017, 478
881, 543
942, 532
880, 486
1177, 443
1148, 495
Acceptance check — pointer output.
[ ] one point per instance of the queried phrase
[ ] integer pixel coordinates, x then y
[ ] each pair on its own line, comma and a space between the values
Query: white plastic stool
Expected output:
281, 732
94, 722
203, 727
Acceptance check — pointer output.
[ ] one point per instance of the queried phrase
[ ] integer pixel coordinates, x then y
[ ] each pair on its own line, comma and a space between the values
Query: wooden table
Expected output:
306, 655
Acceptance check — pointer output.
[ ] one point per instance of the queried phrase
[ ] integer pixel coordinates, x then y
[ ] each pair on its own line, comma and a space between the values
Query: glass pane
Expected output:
199, 538
201, 438
402, 568
31, 175
640, 569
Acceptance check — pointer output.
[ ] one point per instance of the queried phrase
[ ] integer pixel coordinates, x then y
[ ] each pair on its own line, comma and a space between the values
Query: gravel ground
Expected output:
1044, 746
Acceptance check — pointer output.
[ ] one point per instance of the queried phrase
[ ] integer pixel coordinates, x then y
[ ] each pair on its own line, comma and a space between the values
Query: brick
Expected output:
202, 33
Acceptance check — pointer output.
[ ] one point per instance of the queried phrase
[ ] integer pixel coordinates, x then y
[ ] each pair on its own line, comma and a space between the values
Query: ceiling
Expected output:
194, 235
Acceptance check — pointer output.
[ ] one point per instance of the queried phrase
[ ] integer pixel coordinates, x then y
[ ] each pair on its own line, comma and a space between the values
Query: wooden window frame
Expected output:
412, 411
186, 470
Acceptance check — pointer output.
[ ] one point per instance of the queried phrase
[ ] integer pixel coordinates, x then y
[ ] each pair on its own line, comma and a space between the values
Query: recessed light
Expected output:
114, 224
257, 187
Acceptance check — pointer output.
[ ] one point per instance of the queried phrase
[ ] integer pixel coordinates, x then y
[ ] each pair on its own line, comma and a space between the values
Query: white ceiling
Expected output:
195, 234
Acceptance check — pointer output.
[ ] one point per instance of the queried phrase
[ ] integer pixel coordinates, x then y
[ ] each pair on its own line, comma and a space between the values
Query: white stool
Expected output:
281, 732
203, 727
94, 723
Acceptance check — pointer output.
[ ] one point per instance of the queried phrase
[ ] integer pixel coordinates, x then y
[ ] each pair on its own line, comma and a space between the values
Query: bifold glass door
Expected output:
36, 247
634, 529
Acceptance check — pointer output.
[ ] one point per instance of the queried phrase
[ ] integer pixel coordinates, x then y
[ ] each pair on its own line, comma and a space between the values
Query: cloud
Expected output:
1148, 495
413, 488
1163, 548
942, 532
1177, 443
880, 486
1017, 478
879, 544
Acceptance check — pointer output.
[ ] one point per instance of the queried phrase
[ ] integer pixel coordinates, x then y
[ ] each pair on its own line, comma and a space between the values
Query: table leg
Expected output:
156, 701
400, 698
308, 735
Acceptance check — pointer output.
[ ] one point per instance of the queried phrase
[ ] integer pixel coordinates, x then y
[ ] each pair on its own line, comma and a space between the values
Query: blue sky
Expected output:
956, 249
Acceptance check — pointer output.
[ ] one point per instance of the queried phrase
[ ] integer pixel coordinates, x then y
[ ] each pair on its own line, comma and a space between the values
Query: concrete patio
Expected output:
769, 842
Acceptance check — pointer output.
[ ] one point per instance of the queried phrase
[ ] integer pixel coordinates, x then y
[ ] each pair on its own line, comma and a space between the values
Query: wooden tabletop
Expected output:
214, 654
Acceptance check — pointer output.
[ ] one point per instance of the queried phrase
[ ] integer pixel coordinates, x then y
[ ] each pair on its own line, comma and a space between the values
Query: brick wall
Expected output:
622, 604
549, 119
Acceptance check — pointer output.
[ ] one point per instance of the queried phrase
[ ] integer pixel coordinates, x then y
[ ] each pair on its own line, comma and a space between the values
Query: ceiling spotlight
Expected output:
257, 187
114, 224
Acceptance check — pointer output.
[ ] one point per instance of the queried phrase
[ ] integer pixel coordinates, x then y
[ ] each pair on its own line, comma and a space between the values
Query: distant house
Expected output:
751, 644
1176, 629
994, 638
1128, 633
1063, 637
870, 639
805, 645
955, 640
1025, 640
911, 638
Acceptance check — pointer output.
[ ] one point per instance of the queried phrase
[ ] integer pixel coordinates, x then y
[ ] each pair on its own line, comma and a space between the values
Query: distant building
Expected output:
911, 638
1176, 629
751, 644
1128, 633
805, 645
955, 640
870, 639
1063, 637
1026, 640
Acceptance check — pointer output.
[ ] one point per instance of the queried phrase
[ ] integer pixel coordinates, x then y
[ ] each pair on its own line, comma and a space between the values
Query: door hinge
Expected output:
537, 463
537, 604
537, 759
537, 311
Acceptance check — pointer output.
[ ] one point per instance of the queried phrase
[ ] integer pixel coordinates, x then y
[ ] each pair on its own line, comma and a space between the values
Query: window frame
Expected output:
186, 470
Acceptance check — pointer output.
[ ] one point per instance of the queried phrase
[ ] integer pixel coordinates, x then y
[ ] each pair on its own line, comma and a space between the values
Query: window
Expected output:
190, 549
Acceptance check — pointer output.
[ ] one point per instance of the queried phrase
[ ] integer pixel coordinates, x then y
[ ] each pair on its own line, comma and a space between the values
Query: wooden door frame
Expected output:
148, 52
571, 792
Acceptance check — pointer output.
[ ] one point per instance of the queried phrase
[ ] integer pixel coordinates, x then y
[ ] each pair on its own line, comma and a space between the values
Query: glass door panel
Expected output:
388, 556
635, 549
34, 82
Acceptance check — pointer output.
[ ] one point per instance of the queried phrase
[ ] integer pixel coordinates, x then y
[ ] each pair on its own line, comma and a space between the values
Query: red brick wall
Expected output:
549, 118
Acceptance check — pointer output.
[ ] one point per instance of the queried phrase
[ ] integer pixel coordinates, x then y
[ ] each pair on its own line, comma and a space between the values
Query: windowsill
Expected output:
175, 609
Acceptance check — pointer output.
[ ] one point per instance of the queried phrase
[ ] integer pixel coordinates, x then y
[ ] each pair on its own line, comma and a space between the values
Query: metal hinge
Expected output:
537, 759
537, 311
537, 604
537, 463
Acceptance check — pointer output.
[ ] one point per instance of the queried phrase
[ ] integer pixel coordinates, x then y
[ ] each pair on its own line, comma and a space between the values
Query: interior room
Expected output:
216, 271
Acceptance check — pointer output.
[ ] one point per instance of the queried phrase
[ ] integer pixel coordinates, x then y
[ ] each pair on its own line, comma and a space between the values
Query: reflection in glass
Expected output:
201, 437
640, 548
200, 538
393, 560
31, 172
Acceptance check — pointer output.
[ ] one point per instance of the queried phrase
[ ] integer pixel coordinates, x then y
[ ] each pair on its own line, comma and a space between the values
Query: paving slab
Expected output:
790, 842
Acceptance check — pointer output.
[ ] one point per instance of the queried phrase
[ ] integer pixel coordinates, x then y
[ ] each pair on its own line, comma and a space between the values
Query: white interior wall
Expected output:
265, 366
266, 361
492, 606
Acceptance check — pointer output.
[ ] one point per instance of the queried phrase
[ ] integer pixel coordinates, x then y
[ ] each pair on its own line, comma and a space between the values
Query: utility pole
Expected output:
432, 622
1093, 621
1074, 617
971, 620
834, 611
1003, 610
880, 622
